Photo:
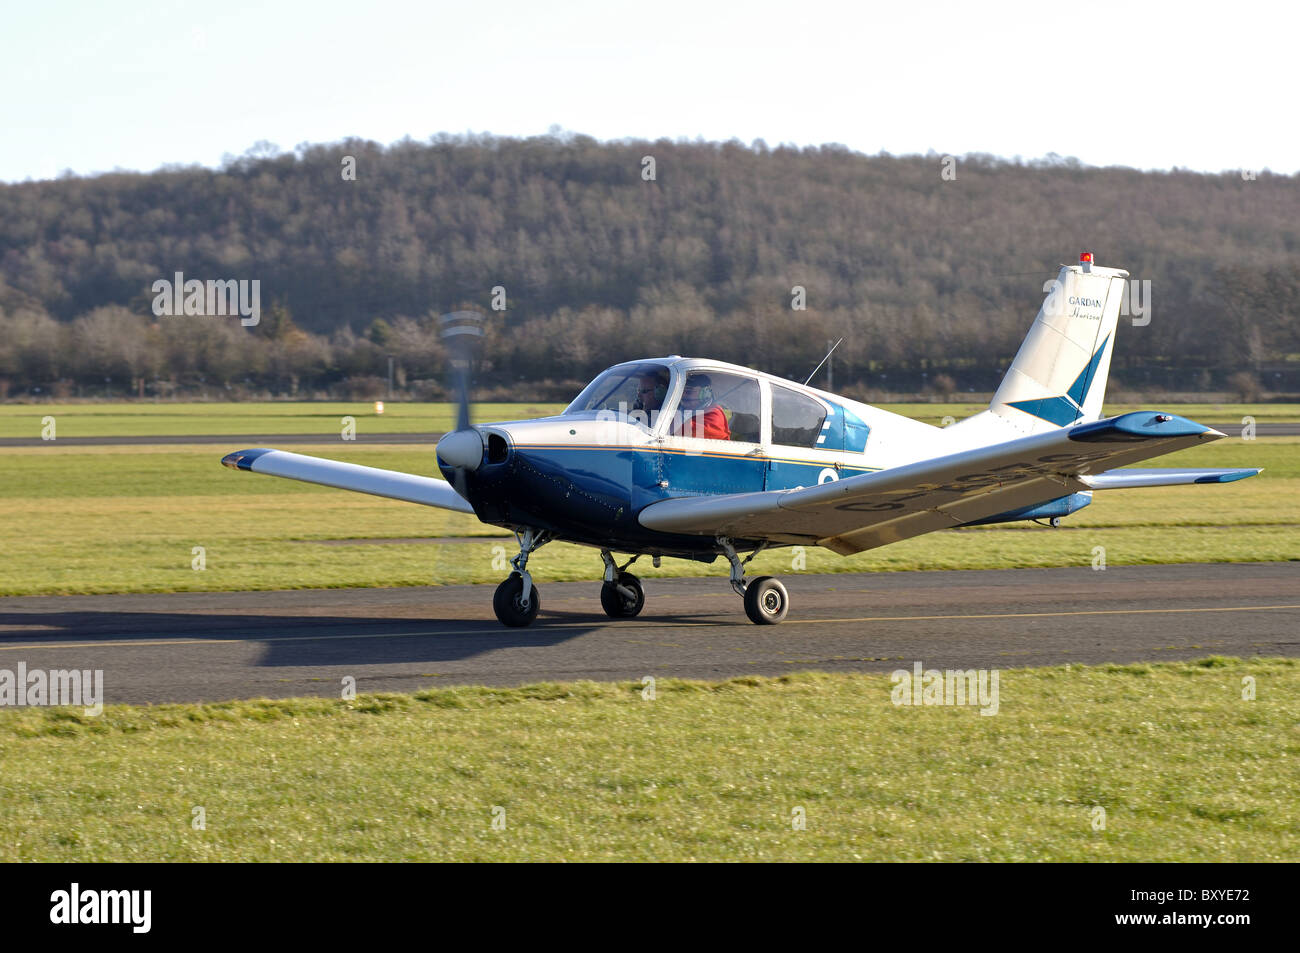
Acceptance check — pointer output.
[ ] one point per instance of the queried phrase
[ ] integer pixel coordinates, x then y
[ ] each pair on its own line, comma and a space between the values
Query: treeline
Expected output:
597, 253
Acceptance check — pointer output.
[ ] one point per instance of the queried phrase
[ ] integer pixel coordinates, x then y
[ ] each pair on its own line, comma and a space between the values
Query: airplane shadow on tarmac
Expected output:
318, 639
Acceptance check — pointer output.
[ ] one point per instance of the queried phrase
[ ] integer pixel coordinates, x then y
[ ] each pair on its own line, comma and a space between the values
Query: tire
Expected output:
766, 601
506, 604
618, 606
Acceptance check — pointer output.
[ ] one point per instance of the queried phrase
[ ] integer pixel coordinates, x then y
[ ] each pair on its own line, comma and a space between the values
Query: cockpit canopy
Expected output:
716, 405
623, 389
711, 404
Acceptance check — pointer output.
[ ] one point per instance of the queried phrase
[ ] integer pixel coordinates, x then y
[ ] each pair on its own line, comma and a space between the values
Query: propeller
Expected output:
461, 451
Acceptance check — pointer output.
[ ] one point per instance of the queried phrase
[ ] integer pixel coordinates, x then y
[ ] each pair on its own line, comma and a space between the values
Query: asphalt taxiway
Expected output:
216, 646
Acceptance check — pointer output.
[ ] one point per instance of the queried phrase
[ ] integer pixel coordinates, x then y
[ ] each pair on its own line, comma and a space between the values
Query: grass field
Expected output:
165, 420
1183, 767
126, 519
272, 417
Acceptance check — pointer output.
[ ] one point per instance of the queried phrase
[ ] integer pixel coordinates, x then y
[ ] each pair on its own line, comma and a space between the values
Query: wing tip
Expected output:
1231, 476
244, 459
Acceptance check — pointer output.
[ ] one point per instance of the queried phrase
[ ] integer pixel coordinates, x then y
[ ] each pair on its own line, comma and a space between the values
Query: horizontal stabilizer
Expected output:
349, 476
1129, 478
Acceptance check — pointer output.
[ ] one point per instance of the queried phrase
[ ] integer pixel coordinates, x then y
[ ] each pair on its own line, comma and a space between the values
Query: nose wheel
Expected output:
516, 601
510, 604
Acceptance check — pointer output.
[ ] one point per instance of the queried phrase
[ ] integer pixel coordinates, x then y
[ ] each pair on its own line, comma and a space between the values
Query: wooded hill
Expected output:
931, 280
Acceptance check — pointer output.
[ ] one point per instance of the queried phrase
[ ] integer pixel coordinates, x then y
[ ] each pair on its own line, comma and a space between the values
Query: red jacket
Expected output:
711, 424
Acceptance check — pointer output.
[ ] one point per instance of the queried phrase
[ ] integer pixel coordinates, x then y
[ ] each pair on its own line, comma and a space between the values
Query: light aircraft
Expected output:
695, 459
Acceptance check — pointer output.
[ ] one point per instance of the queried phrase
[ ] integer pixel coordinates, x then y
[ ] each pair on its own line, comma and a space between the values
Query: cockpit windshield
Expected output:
625, 389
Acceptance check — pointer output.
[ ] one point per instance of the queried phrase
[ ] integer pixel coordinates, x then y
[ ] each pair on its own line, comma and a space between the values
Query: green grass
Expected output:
1184, 768
269, 417
126, 519
273, 417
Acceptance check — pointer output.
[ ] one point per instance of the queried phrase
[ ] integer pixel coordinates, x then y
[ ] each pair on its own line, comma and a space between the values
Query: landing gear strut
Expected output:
766, 601
621, 596
516, 601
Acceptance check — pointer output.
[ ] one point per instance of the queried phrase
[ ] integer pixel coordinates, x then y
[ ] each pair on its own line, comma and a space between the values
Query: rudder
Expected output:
1059, 375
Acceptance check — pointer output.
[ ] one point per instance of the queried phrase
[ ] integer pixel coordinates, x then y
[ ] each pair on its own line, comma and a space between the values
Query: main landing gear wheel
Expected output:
509, 605
766, 601
622, 599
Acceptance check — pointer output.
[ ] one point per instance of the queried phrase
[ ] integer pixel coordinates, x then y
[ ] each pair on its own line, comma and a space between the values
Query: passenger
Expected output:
699, 415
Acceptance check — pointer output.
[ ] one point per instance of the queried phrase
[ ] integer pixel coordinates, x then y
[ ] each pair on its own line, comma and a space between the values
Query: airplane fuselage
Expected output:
584, 476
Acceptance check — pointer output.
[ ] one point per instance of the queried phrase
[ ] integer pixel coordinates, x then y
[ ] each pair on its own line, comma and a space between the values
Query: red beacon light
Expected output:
1085, 259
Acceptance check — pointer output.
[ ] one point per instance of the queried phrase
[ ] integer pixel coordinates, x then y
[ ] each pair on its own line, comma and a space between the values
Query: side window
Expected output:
796, 419
719, 406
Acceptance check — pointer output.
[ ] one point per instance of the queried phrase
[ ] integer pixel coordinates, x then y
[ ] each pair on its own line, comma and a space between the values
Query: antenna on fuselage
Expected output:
824, 359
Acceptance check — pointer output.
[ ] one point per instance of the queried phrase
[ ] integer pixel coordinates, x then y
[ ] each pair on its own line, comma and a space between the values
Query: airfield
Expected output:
685, 733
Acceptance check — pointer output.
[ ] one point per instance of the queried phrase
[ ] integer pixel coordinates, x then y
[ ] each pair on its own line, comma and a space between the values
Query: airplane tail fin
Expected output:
1059, 375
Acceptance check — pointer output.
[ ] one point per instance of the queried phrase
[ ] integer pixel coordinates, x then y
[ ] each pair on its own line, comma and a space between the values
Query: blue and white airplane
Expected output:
694, 459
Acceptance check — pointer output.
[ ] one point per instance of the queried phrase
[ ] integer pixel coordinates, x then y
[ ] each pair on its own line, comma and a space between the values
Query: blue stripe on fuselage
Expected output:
592, 494
607, 470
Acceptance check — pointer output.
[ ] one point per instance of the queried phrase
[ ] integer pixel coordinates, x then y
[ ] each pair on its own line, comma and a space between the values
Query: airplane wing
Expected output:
1129, 478
349, 476
862, 512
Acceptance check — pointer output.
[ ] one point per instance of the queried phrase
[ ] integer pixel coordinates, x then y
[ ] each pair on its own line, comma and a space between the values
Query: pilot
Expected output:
650, 392
699, 415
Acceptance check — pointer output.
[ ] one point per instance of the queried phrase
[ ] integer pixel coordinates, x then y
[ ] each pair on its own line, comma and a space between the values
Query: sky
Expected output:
92, 87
